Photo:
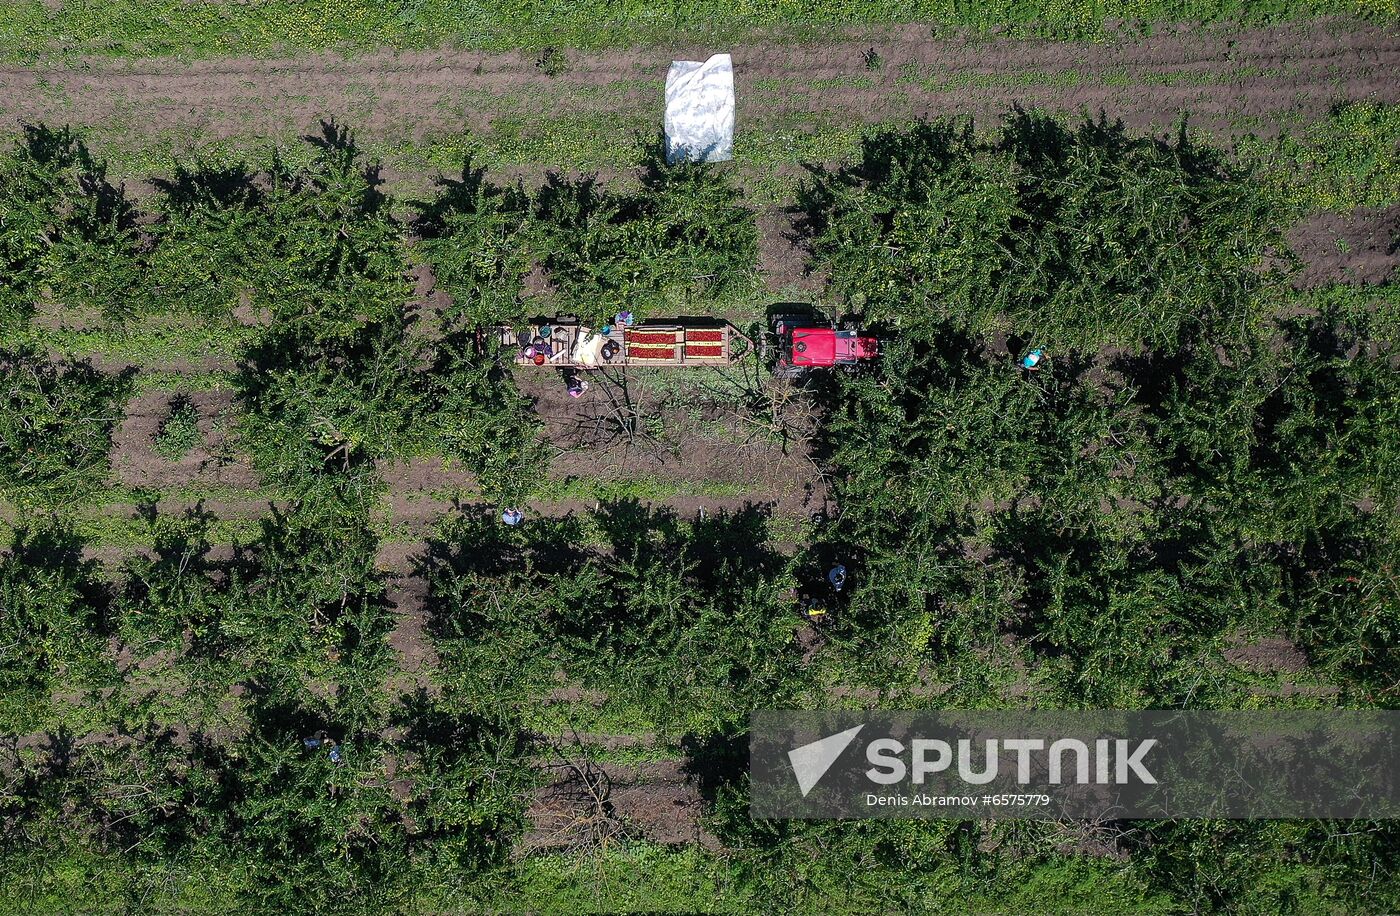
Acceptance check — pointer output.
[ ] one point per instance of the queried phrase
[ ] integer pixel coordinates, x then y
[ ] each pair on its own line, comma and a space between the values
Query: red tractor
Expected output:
805, 343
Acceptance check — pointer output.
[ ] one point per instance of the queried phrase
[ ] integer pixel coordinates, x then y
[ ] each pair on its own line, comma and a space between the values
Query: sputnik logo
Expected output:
811, 761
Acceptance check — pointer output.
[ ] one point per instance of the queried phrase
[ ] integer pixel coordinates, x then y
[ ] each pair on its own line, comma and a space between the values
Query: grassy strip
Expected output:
644, 488
107, 518
642, 877
168, 338
631, 879
129, 533
524, 141
116, 494
126, 533
148, 380
1351, 158
629, 755
141, 28
608, 717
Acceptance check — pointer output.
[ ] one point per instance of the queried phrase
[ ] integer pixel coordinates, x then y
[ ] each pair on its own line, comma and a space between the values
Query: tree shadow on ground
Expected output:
206, 184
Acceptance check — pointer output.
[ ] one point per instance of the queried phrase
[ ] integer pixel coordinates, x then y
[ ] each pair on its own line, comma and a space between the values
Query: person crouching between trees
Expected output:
576, 384
837, 577
817, 607
321, 740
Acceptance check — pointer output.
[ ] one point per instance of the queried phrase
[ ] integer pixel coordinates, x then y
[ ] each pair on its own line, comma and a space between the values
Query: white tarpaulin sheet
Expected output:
588, 348
700, 110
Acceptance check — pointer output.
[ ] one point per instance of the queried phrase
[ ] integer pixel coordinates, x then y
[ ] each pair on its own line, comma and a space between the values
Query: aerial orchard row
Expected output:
333, 377
307, 242
1204, 453
1204, 456
1085, 236
188, 764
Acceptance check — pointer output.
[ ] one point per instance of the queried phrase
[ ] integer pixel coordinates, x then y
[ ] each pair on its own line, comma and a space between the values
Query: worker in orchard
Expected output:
837, 577
577, 385
321, 740
512, 517
1031, 361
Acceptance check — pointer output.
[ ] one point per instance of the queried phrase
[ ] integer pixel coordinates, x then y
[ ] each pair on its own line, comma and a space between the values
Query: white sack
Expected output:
700, 110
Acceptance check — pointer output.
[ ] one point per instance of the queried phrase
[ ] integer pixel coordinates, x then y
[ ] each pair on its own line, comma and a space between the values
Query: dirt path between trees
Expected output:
1360, 247
1258, 79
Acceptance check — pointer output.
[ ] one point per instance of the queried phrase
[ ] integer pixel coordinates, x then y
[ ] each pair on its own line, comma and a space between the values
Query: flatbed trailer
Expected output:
564, 343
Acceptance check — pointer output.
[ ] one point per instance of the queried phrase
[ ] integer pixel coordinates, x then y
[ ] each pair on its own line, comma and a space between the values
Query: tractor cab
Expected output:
804, 344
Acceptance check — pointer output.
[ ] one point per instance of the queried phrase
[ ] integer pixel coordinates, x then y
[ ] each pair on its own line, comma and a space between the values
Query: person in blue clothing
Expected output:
512, 517
320, 740
837, 577
1031, 361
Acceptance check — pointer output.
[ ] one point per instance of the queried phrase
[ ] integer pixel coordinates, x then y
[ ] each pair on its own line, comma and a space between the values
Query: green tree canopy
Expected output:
1069, 237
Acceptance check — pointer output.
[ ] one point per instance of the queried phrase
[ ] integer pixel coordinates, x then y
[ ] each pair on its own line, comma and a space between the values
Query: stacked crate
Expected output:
676, 345
654, 345
705, 345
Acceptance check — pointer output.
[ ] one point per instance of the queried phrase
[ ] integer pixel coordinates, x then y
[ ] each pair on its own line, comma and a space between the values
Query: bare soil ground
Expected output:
621, 430
588, 806
408, 592
782, 259
1267, 655
209, 463
1360, 247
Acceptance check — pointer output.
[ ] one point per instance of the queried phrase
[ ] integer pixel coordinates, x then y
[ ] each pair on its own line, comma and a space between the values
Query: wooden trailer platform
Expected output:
566, 344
